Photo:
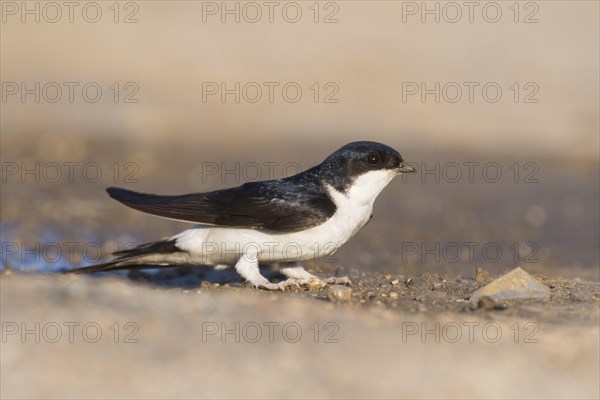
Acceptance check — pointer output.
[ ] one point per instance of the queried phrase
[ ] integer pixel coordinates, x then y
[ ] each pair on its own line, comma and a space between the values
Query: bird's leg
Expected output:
301, 276
247, 267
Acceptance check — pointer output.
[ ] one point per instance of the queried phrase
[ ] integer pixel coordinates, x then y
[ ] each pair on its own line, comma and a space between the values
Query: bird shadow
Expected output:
193, 276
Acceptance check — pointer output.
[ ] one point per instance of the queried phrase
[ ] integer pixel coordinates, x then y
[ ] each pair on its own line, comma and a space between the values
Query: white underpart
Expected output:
211, 245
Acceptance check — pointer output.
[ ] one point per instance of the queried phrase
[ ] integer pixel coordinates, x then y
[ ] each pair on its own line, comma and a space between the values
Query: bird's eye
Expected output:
373, 159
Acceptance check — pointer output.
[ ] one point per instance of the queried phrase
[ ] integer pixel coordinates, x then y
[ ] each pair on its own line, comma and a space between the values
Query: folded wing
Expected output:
271, 205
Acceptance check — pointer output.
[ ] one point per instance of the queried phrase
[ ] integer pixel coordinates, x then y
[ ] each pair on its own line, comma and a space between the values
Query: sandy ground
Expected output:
109, 338
408, 330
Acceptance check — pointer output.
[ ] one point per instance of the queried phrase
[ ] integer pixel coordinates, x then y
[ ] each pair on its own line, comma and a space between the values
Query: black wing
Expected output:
284, 205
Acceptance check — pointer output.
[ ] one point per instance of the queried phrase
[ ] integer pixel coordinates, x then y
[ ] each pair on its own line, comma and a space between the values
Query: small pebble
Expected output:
339, 293
517, 284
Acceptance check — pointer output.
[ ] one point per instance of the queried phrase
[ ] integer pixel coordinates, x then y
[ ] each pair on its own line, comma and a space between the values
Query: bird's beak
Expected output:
406, 169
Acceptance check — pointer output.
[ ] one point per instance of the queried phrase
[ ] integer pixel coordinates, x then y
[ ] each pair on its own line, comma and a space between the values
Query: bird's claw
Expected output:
280, 285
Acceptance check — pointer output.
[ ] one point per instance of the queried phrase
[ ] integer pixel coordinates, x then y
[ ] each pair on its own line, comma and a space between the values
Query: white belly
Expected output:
211, 245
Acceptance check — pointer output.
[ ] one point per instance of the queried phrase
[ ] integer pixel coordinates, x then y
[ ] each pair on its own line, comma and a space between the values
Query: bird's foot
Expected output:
305, 278
278, 286
297, 277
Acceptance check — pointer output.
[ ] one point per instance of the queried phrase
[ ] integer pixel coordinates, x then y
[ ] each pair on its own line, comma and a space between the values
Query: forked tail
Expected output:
162, 253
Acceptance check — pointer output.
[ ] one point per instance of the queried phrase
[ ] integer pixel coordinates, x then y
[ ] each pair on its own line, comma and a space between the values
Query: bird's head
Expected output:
359, 158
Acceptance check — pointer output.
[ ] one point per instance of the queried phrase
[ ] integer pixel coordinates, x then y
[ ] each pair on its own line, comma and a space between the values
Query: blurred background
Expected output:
497, 105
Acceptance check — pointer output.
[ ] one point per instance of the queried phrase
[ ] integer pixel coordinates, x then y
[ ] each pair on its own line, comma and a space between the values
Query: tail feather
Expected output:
149, 255
109, 266
159, 247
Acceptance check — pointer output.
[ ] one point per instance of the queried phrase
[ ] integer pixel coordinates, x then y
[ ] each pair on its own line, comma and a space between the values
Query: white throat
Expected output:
364, 189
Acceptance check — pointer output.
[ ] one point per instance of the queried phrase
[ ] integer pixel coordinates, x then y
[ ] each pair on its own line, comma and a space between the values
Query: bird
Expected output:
284, 221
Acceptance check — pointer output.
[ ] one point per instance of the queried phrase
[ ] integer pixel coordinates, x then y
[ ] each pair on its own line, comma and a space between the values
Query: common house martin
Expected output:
282, 221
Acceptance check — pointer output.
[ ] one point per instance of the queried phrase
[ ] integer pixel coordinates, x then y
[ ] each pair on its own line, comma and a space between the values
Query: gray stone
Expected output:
517, 284
339, 293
